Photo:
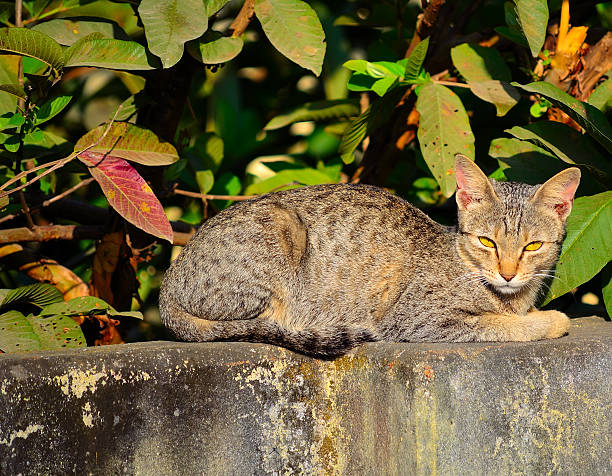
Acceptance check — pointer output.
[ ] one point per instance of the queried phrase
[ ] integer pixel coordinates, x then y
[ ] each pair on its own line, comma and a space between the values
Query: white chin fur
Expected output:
507, 289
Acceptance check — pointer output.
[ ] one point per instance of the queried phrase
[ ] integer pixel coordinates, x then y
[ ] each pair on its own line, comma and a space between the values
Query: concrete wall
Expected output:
225, 408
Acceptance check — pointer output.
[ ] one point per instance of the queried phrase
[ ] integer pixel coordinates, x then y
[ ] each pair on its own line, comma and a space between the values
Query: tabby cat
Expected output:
322, 269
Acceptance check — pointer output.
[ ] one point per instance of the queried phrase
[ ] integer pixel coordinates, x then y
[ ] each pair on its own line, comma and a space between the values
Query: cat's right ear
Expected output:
473, 186
558, 192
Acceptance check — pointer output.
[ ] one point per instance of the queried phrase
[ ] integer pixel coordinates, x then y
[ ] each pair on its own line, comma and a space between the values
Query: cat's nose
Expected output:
506, 276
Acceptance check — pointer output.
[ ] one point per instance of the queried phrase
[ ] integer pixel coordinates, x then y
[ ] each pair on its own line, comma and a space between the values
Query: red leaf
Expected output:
128, 193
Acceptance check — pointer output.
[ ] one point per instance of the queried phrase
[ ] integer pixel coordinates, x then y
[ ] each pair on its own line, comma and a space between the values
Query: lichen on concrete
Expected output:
235, 408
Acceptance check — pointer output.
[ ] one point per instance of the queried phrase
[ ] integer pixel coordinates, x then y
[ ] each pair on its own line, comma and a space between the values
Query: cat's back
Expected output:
328, 207
326, 233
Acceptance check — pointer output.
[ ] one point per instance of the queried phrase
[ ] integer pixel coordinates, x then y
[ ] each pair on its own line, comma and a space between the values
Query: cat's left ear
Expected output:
473, 186
558, 192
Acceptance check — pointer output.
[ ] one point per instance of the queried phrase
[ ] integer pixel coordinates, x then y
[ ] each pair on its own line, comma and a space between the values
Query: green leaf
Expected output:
129, 142
532, 16
486, 73
359, 66
601, 98
109, 53
8, 75
86, 306
501, 94
67, 31
477, 63
377, 70
38, 294
523, 161
14, 89
586, 249
7, 10
287, 179
12, 143
511, 34
317, 111
564, 141
589, 117
169, 24
415, 60
37, 6
360, 82
51, 109
606, 289
25, 42
226, 184
19, 333
368, 122
205, 180
213, 6
38, 146
380, 76
383, 85
444, 130
11, 120
207, 152
294, 29
214, 48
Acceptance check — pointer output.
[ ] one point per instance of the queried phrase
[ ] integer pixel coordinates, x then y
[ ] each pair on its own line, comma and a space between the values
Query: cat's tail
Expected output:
329, 342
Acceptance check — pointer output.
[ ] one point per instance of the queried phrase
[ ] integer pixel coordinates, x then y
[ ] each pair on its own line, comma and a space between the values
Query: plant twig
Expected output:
205, 196
52, 200
452, 83
57, 163
242, 20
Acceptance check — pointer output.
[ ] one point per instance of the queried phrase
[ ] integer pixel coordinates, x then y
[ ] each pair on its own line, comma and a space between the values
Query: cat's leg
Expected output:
535, 325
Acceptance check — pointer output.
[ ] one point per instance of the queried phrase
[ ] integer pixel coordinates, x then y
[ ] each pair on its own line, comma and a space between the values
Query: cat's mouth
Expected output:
508, 288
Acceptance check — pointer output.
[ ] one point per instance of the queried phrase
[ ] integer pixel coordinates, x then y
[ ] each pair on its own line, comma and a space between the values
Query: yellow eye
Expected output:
485, 241
534, 245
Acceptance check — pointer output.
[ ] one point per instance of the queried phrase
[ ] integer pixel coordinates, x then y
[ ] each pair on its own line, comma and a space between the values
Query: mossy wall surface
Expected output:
171, 408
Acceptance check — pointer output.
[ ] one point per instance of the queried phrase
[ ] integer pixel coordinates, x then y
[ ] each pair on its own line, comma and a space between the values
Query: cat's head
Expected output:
510, 233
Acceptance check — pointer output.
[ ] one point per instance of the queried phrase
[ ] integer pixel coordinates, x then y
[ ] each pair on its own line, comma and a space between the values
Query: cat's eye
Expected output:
485, 241
533, 246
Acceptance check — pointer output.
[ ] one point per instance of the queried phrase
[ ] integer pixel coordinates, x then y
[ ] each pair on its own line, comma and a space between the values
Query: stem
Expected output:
57, 163
52, 200
27, 172
187, 193
24, 106
45, 15
242, 20
452, 83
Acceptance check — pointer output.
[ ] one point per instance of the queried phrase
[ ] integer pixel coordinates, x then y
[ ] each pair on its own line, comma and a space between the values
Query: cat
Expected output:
321, 269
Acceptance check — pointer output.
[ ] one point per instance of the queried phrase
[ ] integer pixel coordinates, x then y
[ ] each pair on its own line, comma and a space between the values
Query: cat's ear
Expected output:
558, 192
473, 186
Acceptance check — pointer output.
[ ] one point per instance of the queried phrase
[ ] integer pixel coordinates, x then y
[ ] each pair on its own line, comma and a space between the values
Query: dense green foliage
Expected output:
125, 123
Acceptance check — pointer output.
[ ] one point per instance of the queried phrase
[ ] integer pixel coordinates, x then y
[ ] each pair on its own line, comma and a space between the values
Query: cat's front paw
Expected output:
559, 325
555, 323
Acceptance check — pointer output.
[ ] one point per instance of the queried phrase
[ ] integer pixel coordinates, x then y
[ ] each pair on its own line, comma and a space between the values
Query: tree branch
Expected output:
80, 232
242, 20
598, 61
52, 232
